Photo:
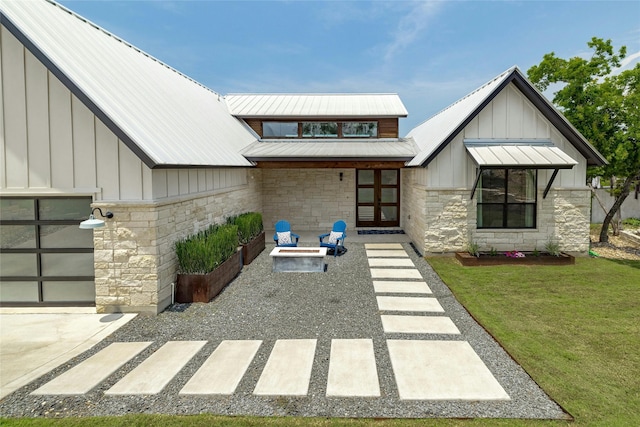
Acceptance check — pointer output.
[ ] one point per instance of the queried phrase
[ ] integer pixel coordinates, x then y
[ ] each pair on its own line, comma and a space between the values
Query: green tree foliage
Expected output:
605, 108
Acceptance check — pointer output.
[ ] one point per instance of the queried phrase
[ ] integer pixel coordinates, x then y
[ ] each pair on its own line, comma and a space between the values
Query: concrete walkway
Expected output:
377, 335
33, 344
426, 369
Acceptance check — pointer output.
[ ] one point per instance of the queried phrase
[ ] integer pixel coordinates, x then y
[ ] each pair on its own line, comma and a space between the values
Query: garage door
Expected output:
45, 258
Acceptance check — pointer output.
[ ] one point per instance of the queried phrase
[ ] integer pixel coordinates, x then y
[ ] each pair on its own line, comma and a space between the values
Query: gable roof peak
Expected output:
435, 133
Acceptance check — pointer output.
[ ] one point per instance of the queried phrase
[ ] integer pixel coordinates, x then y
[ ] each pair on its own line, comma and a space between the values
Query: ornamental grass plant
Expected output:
201, 253
249, 225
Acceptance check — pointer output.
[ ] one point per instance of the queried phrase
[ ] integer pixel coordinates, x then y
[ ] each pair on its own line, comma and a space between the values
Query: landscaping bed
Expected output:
528, 258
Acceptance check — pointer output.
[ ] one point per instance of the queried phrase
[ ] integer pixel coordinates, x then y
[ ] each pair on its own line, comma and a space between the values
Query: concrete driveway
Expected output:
33, 344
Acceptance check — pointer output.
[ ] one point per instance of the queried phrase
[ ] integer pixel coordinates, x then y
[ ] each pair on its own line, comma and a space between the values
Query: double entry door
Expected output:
378, 197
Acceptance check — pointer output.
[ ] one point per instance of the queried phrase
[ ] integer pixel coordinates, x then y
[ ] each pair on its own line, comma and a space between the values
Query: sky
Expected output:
431, 53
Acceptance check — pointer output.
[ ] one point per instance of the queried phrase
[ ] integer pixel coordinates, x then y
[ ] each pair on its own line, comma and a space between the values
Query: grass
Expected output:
575, 330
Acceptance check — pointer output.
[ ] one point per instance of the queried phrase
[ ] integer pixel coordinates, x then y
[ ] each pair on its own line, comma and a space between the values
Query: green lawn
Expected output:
575, 329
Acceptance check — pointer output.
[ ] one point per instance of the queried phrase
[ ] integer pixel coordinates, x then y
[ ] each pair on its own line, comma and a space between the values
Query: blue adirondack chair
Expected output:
336, 238
283, 226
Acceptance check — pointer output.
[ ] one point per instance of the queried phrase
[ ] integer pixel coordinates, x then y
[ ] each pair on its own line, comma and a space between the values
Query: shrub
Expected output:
553, 247
631, 222
249, 225
201, 253
474, 249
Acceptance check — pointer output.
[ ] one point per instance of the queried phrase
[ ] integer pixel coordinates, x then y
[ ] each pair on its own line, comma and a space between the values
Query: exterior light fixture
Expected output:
92, 222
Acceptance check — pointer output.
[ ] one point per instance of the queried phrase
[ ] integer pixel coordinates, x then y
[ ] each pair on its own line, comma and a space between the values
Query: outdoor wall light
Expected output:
92, 222
340, 176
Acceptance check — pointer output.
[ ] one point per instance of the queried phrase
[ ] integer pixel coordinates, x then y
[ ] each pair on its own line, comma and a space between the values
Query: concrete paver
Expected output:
152, 375
387, 253
400, 287
418, 324
441, 370
288, 369
222, 371
92, 371
352, 369
395, 273
419, 304
383, 246
391, 262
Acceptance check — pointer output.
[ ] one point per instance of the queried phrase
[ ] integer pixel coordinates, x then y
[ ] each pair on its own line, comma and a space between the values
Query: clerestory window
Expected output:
280, 129
507, 198
319, 129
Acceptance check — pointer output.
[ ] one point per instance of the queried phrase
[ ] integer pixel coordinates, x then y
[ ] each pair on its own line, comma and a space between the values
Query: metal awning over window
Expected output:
518, 154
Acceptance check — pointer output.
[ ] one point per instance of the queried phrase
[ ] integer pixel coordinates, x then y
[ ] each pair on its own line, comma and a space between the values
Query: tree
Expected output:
604, 107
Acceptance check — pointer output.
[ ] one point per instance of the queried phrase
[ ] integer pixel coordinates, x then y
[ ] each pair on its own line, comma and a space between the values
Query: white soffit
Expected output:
316, 105
164, 116
519, 155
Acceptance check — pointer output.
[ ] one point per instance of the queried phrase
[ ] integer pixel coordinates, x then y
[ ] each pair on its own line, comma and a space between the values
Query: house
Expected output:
89, 121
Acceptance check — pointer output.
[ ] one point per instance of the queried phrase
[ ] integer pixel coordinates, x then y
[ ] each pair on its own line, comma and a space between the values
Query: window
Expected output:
45, 258
320, 130
360, 129
507, 198
280, 129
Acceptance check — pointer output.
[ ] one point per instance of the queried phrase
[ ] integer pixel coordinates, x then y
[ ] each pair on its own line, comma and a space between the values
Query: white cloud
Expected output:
411, 26
627, 63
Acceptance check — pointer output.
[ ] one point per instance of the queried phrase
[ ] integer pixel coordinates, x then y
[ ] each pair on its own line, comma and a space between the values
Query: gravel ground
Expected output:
616, 248
259, 304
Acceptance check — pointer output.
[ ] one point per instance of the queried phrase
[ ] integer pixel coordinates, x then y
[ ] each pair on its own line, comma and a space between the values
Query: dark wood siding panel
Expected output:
256, 125
388, 128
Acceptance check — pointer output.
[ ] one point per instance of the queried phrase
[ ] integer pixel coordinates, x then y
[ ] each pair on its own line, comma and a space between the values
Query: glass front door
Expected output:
378, 198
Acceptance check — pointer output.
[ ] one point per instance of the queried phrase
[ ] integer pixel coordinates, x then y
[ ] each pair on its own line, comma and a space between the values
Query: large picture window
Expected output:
507, 198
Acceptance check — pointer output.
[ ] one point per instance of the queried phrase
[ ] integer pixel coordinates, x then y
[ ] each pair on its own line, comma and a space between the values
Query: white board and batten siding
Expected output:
53, 144
510, 115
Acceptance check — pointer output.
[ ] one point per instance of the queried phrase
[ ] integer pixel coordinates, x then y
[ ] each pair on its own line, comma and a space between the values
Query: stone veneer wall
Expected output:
414, 208
563, 217
310, 199
447, 222
135, 262
450, 222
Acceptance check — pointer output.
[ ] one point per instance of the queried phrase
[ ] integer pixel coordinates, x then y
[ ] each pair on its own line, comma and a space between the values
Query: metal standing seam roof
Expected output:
322, 149
434, 134
166, 118
533, 156
316, 105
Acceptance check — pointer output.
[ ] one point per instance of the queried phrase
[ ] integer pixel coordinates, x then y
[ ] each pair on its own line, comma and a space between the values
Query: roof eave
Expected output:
328, 159
314, 117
